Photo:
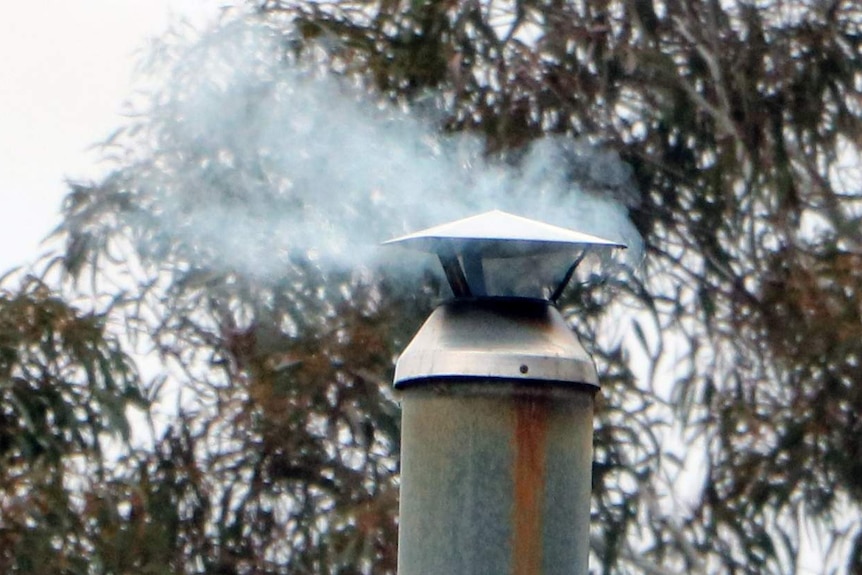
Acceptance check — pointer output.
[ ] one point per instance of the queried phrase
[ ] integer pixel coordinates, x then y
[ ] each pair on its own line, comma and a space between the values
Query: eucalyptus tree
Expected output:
65, 388
740, 355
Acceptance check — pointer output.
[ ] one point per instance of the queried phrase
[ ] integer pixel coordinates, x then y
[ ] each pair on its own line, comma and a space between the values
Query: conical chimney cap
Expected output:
499, 234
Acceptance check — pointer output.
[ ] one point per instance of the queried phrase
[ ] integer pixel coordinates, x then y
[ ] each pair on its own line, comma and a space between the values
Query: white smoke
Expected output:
259, 158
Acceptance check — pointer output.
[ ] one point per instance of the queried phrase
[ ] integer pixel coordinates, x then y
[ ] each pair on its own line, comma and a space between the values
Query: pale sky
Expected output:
65, 69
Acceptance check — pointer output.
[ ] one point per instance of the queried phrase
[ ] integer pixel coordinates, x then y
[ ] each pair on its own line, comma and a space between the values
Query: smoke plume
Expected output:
258, 157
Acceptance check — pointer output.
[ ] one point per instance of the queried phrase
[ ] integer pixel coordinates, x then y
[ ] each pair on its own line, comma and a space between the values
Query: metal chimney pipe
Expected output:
497, 400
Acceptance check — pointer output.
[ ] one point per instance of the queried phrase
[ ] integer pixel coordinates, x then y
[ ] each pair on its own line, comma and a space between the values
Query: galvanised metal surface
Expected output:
511, 338
499, 234
501, 254
495, 478
496, 444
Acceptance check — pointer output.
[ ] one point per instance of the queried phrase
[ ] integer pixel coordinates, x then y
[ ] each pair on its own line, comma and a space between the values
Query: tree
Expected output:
737, 119
65, 386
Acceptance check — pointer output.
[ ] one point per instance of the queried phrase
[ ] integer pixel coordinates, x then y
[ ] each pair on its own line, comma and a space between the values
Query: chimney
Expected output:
497, 404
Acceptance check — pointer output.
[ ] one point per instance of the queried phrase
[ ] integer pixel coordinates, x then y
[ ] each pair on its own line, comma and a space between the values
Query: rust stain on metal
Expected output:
531, 430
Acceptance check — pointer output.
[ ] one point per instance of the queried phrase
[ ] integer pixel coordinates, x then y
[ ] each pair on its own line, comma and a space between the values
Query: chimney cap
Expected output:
501, 254
500, 234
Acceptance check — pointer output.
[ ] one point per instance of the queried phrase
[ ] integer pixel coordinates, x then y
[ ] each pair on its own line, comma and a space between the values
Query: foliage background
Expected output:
258, 433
